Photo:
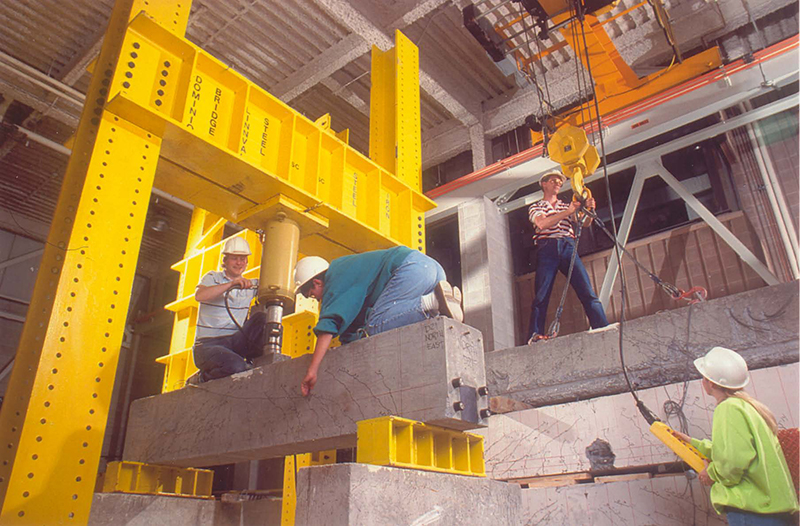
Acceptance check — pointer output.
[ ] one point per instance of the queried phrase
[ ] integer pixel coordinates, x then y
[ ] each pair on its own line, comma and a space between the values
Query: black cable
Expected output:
228, 308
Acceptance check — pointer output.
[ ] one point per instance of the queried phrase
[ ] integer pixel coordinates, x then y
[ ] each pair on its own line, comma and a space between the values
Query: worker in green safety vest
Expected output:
749, 478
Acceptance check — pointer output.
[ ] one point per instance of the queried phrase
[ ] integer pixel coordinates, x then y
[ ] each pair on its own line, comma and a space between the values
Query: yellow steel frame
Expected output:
221, 143
53, 417
237, 151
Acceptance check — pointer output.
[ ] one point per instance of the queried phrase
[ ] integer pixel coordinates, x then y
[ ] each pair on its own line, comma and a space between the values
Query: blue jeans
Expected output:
748, 518
226, 355
554, 255
400, 303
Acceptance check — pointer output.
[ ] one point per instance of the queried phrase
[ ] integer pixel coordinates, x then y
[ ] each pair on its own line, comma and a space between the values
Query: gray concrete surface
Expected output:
356, 494
761, 324
126, 509
261, 413
117, 509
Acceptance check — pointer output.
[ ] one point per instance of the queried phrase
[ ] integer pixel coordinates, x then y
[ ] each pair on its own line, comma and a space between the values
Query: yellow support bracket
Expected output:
150, 479
399, 442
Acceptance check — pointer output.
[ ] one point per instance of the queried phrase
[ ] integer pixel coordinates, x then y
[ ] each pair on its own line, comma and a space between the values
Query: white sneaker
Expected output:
606, 328
449, 299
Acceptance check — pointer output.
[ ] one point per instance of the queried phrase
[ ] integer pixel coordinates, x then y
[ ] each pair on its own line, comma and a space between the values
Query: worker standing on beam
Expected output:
226, 339
749, 478
555, 242
366, 294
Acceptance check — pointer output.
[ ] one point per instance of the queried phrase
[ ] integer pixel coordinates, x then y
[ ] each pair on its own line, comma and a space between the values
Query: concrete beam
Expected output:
261, 414
761, 324
364, 494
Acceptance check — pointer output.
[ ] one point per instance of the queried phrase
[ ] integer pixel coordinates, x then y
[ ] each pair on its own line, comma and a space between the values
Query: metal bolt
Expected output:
483, 391
456, 382
486, 413
458, 406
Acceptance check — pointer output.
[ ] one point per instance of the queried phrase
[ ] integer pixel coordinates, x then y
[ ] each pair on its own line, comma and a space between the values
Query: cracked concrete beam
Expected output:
761, 324
261, 414
360, 25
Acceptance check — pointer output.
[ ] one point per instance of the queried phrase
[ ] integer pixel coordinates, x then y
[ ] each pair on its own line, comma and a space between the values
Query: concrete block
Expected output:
261, 413
345, 494
661, 501
553, 440
117, 509
761, 324
125, 509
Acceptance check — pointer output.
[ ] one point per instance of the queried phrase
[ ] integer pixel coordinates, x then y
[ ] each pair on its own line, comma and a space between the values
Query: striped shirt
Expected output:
542, 208
213, 319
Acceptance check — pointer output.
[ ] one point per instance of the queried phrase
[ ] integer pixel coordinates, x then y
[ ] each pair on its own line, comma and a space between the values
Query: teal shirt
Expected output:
352, 286
747, 463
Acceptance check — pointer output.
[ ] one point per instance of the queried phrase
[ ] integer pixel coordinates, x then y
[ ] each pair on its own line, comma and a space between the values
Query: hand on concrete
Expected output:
704, 477
308, 382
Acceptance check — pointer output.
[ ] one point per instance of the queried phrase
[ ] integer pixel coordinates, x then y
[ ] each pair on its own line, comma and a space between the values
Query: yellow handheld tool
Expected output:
685, 450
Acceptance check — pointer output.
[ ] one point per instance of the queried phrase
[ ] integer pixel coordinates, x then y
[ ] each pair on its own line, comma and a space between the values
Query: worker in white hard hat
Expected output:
749, 478
366, 294
554, 237
226, 338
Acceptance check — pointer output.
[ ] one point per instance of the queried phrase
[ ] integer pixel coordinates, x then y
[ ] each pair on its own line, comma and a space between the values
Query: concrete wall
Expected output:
761, 324
663, 501
553, 440
487, 272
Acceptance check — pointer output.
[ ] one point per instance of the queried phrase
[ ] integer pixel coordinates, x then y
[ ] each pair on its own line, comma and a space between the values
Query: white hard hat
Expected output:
723, 367
236, 246
552, 172
306, 269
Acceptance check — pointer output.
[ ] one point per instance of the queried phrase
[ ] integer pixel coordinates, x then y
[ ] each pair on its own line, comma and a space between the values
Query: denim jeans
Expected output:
554, 255
747, 518
226, 355
400, 303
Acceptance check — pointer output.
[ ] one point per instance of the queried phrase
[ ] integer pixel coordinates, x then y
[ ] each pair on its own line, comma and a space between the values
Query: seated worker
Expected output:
366, 294
555, 241
220, 347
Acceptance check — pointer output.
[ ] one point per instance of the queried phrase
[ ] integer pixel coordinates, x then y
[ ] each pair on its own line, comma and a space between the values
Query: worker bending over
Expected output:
749, 478
366, 294
555, 242
221, 348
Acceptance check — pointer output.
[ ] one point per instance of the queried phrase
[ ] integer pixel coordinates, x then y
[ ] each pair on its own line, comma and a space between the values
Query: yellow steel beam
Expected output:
54, 414
651, 85
232, 148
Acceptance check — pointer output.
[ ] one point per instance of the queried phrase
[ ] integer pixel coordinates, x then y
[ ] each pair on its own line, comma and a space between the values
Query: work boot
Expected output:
449, 299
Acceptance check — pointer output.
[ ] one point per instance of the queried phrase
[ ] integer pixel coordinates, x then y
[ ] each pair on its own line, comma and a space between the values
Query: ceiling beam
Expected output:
358, 24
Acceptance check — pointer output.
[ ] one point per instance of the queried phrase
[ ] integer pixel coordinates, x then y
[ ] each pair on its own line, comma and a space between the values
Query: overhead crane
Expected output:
161, 111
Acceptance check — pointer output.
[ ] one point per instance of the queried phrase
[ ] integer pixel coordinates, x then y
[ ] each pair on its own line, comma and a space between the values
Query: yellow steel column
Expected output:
54, 414
395, 136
